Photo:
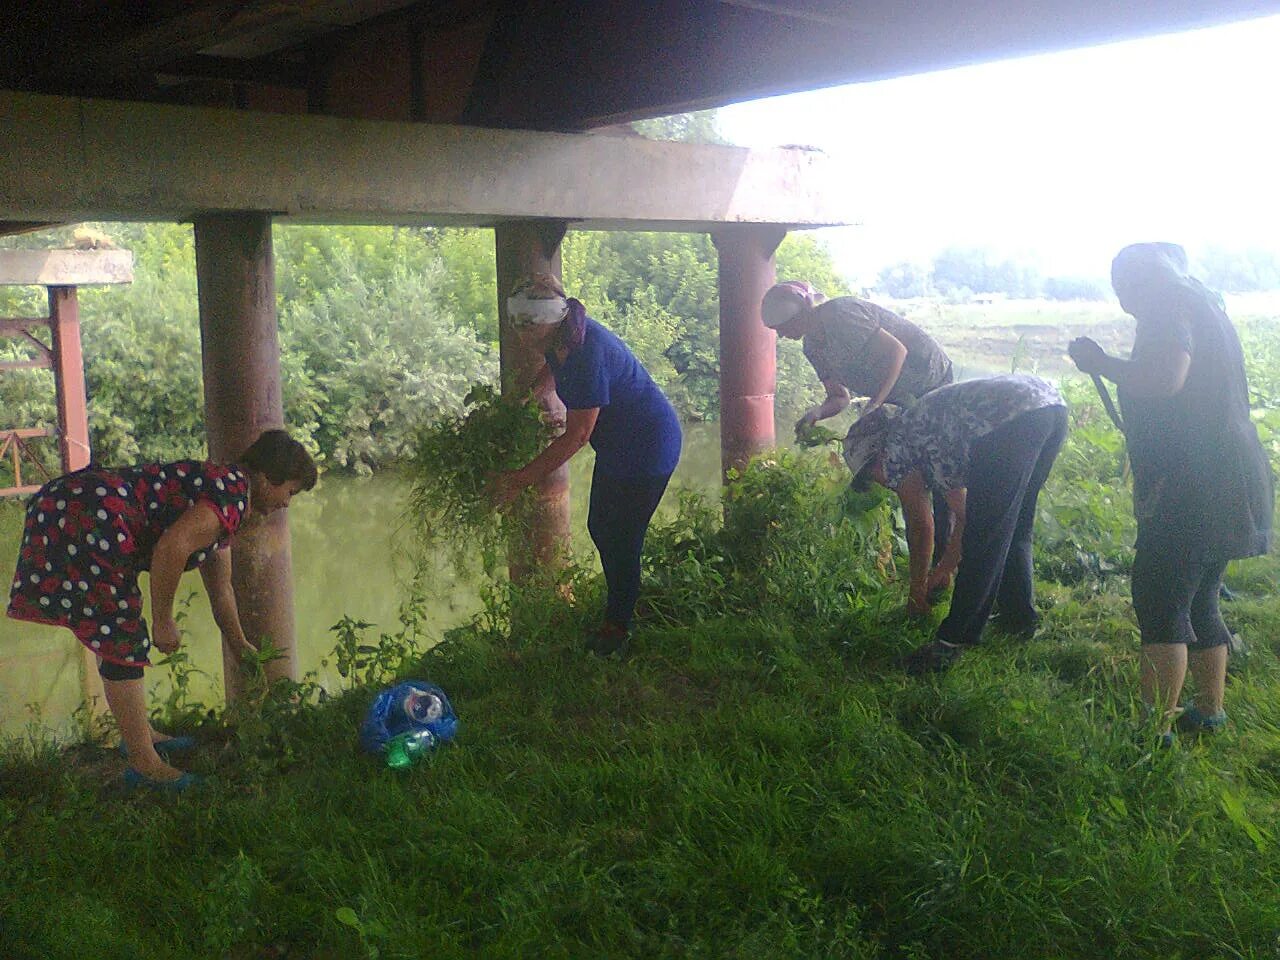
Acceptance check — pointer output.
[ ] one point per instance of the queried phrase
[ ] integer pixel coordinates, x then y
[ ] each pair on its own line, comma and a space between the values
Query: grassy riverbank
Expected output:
759, 779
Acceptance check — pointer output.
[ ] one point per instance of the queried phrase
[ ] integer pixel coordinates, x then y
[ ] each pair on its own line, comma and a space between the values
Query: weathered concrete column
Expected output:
240, 354
748, 364
523, 247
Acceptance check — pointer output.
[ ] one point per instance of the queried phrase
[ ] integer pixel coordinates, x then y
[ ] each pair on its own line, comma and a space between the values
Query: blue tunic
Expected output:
637, 433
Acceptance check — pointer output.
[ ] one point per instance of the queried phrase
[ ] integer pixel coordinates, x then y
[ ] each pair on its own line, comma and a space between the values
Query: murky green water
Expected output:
345, 563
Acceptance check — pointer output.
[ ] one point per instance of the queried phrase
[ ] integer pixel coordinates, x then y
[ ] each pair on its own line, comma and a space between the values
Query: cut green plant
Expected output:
454, 461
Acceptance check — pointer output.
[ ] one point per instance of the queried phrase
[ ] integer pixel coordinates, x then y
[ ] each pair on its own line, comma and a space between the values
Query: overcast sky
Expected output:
1067, 156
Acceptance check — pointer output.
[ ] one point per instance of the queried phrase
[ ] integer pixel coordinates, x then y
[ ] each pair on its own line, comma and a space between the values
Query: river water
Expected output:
347, 561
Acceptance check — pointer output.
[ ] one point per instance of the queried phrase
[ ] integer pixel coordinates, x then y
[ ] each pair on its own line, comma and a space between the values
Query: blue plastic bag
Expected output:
409, 706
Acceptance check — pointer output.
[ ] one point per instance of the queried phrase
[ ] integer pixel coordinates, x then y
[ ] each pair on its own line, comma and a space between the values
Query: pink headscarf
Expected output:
785, 300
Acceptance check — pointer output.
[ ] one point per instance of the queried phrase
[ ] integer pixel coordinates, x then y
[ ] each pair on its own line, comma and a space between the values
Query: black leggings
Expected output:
117, 671
617, 519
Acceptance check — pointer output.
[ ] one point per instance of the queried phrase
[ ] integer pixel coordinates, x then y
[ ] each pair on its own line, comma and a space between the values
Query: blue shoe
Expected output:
167, 748
134, 780
1192, 720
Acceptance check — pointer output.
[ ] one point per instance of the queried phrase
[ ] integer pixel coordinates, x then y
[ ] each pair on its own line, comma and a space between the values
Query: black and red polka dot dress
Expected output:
89, 534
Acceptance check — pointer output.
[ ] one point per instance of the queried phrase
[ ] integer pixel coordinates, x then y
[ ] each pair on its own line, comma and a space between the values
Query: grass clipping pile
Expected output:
454, 460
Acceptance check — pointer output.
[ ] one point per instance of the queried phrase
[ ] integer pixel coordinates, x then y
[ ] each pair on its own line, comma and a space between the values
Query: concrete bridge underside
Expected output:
232, 173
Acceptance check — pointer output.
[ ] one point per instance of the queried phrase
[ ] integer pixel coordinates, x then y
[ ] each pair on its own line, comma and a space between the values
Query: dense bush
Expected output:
381, 330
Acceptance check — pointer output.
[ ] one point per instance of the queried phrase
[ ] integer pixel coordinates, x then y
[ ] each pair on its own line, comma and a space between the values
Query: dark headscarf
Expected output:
1150, 278
574, 330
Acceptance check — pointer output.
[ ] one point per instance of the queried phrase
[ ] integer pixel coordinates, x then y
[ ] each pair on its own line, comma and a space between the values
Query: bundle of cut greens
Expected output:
813, 435
454, 460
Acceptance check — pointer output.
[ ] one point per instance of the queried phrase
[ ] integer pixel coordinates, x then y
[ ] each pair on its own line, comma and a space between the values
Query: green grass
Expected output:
759, 780
760, 783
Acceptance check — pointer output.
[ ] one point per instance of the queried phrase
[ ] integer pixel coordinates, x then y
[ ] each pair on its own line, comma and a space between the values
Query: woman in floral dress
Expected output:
88, 536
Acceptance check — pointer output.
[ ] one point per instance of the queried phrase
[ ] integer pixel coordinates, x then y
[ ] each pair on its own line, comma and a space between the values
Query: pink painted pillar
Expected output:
523, 247
73, 435
748, 364
73, 415
240, 355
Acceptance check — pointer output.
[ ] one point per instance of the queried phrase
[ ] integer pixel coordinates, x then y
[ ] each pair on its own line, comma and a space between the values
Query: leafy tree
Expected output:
696, 127
1074, 288
381, 329
370, 353
906, 280
1239, 271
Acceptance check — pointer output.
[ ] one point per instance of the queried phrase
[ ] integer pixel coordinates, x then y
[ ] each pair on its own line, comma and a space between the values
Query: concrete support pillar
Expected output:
73, 435
240, 355
523, 247
748, 363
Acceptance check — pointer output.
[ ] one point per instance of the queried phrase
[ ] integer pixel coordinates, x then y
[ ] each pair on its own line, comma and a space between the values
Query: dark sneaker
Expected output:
610, 640
1193, 721
933, 657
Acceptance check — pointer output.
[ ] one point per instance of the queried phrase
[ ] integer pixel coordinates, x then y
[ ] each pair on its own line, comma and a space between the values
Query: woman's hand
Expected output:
1087, 355
940, 577
238, 644
165, 635
808, 420
504, 488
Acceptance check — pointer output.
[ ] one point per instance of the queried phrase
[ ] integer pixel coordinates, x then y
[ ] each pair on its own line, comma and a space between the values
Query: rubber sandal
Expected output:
1192, 720
166, 748
135, 780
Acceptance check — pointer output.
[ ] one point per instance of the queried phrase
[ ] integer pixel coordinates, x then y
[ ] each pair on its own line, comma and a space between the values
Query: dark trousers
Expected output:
1006, 470
617, 519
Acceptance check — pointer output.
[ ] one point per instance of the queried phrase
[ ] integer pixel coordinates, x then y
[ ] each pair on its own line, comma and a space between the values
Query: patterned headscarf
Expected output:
866, 440
784, 301
539, 299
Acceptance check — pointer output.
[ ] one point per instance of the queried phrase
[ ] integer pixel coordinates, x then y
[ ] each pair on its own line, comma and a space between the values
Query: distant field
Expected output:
1032, 335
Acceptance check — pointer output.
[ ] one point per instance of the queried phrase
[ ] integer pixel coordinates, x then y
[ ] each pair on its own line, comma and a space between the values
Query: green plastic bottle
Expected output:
404, 749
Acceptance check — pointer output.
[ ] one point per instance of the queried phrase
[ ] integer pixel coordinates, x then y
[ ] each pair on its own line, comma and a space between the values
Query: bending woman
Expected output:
1202, 488
613, 403
986, 446
88, 536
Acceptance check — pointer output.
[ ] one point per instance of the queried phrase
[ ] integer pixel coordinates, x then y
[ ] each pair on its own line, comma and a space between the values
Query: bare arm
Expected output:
216, 573
1161, 372
949, 562
916, 511
194, 530
837, 400
888, 354
579, 425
